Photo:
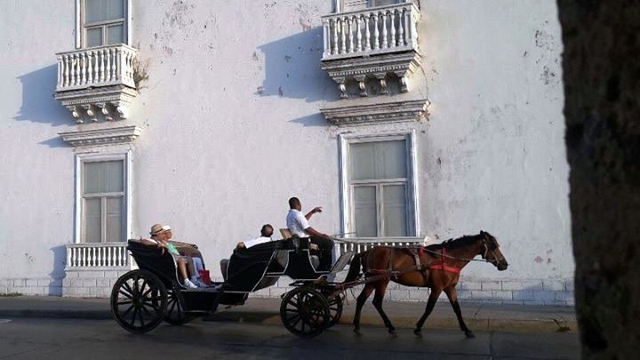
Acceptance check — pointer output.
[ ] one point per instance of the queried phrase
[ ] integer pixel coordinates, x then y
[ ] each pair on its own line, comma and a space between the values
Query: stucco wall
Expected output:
232, 129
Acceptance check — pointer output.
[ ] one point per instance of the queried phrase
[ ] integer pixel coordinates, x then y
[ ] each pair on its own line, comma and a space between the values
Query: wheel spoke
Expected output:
145, 310
134, 315
147, 292
124, 302
126, 291
128, 310
141, 318
172, 306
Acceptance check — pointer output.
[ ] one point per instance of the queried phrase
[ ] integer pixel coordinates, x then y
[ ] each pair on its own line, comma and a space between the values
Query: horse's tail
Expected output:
354, 268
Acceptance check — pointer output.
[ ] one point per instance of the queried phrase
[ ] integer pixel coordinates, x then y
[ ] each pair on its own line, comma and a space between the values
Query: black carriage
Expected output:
141, 299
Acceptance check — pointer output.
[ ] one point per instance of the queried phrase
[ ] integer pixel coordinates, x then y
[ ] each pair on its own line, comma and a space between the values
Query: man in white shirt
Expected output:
265, 236
298, 224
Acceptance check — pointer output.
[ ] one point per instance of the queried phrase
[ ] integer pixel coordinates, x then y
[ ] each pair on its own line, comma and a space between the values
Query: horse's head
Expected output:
491, 251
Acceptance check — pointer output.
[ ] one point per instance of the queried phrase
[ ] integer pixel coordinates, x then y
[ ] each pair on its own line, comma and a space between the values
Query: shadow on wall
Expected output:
311, 120
58, 273
38, 103
292, 68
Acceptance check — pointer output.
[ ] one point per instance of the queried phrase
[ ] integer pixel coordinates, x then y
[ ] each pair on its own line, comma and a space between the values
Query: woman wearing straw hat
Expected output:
159, 237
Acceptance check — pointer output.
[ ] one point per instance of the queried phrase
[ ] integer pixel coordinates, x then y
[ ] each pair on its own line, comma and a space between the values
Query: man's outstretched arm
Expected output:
316, 209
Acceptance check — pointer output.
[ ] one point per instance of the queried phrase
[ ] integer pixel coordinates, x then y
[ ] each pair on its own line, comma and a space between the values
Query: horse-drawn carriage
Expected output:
141, 299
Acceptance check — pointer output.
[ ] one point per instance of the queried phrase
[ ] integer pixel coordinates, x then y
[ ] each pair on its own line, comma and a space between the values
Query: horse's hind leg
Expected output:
433, 297
362, 298
381, 287
452, 294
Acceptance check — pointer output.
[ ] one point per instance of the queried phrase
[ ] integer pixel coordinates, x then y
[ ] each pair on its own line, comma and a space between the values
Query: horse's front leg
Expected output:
381, 287
362, 298
433, 297
452, 294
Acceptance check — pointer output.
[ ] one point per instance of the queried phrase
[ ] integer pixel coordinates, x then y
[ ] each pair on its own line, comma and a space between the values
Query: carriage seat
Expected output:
224, 265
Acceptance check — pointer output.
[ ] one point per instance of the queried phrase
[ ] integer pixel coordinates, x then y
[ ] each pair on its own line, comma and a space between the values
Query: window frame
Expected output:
79, 223
347, 213
81, 36
339, 5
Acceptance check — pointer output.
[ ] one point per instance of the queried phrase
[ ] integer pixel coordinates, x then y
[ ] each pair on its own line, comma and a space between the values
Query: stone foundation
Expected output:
31, 286
90, 283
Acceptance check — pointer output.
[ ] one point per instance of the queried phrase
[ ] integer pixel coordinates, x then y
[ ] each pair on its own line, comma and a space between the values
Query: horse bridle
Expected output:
484, 254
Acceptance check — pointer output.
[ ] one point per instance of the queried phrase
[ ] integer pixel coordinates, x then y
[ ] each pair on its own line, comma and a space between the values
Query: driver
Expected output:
298, 224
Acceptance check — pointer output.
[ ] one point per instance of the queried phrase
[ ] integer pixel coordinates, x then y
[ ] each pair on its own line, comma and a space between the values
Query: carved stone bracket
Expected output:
111, 102
119, 135
401, 111
401, 64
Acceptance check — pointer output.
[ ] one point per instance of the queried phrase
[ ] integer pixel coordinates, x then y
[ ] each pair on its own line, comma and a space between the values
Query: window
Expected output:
102, 199
379, 189
355, 5
103, 22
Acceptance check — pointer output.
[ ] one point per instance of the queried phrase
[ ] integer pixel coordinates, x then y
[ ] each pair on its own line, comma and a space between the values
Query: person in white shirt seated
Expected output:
298, 225
265, 236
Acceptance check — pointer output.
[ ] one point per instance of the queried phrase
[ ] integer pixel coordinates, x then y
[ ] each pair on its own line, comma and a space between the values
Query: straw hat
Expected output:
159, 229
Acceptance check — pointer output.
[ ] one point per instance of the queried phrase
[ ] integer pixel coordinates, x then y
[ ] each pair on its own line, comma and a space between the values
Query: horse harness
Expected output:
442, 265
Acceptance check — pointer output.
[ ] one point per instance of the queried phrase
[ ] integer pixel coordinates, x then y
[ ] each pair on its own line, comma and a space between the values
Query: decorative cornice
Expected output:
125, 134
400, 111
111, 101
383, 63
378, 67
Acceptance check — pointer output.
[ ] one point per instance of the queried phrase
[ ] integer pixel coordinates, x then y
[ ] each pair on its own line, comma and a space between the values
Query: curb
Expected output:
517, 325
273, 318
57, 314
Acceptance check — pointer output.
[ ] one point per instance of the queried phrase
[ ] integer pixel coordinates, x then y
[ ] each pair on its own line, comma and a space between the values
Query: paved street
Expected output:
31, 338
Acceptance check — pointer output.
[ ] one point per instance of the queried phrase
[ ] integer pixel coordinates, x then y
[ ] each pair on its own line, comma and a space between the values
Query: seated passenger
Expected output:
265, 236
160, 236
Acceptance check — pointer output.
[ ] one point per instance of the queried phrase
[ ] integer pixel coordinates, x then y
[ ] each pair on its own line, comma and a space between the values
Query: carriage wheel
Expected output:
139, 301
305, 312
335, 309
175, 312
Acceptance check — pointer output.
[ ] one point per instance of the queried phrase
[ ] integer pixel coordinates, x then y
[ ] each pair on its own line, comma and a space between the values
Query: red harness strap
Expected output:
443, 265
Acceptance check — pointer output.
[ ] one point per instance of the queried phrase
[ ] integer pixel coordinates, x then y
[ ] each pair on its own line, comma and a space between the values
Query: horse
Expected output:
435, 266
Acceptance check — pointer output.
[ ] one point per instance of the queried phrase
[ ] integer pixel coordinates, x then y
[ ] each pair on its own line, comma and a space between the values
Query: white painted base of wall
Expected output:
91, 283
98, 284
31, 286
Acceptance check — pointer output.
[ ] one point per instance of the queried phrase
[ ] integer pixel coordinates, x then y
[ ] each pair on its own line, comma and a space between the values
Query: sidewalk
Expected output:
479, 317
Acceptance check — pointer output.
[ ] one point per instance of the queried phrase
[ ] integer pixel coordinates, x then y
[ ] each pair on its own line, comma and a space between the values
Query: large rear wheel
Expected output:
139, 301
305, 312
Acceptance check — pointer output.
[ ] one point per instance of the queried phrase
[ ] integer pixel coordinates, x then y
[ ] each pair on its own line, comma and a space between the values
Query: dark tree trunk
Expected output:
601, 66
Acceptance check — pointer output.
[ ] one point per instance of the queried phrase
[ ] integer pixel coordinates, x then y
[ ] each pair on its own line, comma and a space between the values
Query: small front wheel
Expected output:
305, 312
175, 312
139, 301
335, 309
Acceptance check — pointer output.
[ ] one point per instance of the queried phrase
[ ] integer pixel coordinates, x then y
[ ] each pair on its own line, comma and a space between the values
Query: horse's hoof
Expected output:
357, 331
469, 334
393, 332
418, 333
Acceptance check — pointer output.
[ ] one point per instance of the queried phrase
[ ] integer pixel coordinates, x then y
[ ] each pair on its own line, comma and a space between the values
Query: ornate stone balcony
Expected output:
379, 44
99, 80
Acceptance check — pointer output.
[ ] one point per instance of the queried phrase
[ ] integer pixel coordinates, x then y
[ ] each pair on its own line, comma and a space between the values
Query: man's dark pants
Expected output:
326, 250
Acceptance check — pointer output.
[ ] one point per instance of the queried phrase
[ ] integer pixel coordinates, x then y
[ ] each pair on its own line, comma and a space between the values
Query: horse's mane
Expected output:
455, 243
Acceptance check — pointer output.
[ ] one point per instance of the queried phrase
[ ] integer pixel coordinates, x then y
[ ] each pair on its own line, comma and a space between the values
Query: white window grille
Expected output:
379, 190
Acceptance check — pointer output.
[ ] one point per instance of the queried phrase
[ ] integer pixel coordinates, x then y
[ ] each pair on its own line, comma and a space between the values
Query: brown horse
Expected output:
435, 266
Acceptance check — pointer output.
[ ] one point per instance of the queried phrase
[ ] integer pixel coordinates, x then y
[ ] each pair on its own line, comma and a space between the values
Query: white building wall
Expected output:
232, 129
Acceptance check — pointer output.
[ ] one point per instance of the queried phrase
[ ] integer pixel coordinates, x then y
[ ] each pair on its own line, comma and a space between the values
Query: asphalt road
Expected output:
41, 339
